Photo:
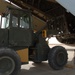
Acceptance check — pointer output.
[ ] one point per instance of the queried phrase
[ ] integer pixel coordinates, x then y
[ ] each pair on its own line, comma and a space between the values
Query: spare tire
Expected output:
57, 57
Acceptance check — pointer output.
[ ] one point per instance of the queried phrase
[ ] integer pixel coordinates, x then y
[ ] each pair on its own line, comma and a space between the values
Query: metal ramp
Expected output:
68, 4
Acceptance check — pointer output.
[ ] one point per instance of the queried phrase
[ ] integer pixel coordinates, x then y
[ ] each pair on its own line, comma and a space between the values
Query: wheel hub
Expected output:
60, 58
7, 65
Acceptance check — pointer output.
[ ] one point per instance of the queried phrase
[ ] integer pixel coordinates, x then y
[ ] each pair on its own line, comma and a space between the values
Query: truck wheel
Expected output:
9, 62
57, 57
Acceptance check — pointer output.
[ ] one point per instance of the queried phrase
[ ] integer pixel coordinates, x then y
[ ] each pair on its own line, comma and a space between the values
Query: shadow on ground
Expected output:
35, 69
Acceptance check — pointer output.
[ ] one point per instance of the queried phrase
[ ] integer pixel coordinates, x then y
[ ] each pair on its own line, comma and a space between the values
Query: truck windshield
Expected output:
20, 19
24, 22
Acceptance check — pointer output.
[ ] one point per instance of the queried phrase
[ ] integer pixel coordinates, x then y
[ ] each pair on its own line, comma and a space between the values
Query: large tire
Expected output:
10, 63
57, 57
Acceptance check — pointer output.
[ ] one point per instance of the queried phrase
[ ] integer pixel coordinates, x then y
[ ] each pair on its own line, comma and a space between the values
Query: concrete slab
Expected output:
44, 69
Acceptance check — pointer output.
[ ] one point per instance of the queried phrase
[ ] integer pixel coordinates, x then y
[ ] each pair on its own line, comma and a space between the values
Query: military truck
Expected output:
20, 43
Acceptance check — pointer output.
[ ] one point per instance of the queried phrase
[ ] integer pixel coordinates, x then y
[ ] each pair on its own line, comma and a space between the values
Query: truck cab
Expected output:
16, 28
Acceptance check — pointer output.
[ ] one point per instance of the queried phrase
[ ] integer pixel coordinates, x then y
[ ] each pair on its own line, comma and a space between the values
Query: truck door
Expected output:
20, 33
